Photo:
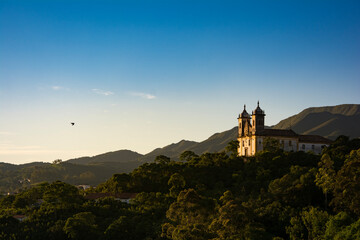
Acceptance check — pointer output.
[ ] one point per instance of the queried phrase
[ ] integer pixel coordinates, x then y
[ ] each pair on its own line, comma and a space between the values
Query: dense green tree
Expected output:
153, 177
9, 228
336, 224
347, 185
189, 216
7, 201
152, 204
272, 214
116, 184
162, 159
351, 232
121, 228
233, 220
232, 148
297, 188
81, 226
297, 229
309, 224
56, 231
187, 156
314, 220
176, 183
340, 148
325, 177
30, 196
60, 193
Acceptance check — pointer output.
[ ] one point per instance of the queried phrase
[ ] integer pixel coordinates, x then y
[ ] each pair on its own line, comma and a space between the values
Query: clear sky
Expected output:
144, 74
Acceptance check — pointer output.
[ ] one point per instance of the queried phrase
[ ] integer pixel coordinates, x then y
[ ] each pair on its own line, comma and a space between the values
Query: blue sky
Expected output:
143, 74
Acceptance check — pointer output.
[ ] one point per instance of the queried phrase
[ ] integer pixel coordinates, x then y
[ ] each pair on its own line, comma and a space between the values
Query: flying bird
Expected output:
72, 124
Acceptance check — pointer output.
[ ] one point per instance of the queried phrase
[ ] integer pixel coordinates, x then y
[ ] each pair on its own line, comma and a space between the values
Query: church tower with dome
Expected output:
258, 120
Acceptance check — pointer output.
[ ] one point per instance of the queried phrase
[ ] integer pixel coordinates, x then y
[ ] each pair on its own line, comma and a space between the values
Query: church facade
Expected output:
252, 134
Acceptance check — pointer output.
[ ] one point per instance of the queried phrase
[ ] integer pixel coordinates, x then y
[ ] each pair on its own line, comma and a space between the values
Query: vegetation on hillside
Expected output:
328, 122
273, 195
13, 178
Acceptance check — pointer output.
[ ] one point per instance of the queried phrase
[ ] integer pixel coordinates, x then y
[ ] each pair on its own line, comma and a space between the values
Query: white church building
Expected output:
252, 134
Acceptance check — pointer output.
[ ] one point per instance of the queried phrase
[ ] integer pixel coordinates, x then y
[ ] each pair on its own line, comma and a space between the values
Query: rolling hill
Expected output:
14, 177
329, 122
215, 143
116, 156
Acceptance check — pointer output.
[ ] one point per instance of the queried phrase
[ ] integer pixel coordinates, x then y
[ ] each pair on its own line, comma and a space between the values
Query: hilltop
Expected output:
329, 122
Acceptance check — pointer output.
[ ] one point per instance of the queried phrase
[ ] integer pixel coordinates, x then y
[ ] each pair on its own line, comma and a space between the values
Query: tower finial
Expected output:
258, 103
244, 106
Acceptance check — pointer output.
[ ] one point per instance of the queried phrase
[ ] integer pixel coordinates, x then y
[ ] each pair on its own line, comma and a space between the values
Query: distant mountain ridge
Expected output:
329, 122
116, 156
215, 143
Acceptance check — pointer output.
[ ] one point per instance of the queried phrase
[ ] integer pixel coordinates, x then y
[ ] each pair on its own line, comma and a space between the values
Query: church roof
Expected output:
313, 139
291, 133
277, 133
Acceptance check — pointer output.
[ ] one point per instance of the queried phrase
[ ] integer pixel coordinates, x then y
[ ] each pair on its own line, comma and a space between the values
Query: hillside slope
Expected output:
171, 150
329, 122
14, 177
116, 156
214, 143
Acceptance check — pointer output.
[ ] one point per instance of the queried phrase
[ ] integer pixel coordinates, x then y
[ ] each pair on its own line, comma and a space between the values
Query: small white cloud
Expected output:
102, 92
143, 95
56, 88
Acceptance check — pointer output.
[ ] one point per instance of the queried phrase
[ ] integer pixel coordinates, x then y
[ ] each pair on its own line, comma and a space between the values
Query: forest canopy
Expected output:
273, 195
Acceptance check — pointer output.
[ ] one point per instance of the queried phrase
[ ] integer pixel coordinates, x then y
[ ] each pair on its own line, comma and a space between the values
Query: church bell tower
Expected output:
244, 123
258, 120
